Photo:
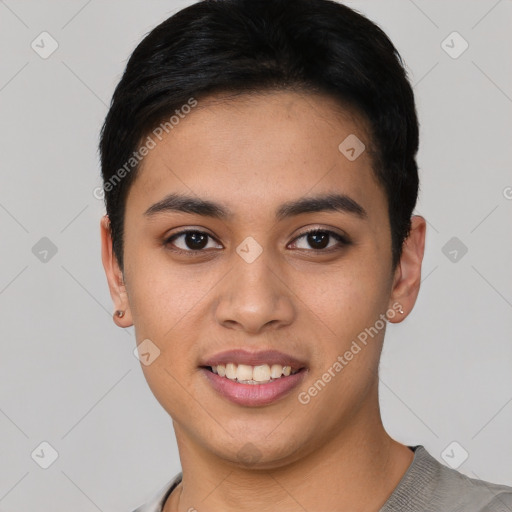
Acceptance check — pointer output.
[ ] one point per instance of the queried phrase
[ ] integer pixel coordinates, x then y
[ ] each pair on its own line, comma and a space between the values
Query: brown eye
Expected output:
189, 241
319, 239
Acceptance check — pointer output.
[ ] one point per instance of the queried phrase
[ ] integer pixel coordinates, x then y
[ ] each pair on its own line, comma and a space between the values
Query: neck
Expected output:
357, 470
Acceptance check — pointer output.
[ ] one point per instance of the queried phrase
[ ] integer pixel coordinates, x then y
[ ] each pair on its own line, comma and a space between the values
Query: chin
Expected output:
258, 452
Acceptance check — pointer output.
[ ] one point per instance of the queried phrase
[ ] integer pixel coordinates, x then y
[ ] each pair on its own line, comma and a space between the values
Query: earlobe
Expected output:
407, 278
122, 316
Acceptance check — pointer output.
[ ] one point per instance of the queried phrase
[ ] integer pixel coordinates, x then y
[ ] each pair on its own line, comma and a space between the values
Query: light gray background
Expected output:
68, 374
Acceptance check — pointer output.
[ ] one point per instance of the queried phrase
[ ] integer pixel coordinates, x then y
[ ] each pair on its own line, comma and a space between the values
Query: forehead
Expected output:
248, 150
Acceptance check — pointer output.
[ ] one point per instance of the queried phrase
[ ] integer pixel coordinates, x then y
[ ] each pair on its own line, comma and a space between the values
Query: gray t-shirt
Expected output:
427, 486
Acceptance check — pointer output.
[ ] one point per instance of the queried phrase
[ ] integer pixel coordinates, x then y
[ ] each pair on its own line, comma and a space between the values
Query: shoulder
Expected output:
473, 495
500, 503
429, 486
157, 500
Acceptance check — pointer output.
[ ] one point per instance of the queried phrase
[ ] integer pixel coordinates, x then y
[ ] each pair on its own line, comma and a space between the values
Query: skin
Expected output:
252, 154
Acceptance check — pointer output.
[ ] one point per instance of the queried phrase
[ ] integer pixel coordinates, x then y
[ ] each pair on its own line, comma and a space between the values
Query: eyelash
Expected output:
342, 241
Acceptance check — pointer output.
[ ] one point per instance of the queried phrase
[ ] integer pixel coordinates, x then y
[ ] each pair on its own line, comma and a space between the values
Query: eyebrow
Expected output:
330, 202
189, 204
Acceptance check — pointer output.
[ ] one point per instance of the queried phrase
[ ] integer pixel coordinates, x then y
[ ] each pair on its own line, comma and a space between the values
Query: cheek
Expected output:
164, 305
160, 294
345, 308
348, 298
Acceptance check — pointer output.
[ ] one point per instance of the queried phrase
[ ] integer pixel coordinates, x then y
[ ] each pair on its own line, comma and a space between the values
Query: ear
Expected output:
407, 278
114, 275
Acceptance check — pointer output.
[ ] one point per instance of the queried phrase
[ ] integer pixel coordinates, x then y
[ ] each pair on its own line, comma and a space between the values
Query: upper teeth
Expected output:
252, 374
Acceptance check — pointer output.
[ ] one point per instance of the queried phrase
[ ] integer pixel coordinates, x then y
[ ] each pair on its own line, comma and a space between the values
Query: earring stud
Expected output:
119, 313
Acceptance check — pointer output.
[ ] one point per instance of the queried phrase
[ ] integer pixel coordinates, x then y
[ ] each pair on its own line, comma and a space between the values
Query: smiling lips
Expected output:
253, 379
247, 374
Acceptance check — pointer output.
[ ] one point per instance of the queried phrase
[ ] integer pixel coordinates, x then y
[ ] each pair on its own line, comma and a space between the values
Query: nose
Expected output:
254, 297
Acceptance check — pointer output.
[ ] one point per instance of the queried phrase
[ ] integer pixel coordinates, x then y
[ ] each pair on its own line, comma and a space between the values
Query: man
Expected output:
260, 177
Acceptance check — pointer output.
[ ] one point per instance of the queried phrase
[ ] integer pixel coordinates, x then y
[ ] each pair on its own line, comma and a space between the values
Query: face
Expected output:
252, 240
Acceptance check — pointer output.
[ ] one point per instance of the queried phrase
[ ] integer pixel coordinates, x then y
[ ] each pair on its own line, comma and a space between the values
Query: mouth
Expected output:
247, 374
253, 379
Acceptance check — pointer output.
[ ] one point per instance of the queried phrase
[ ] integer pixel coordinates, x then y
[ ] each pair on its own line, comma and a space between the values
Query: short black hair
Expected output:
217, 46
